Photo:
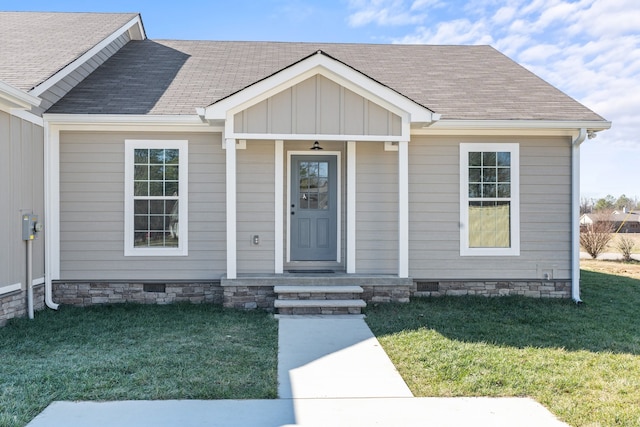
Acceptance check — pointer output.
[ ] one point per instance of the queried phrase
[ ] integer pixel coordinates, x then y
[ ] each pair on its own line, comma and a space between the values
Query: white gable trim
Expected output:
26, 116
408, 110
136, 32
12, 97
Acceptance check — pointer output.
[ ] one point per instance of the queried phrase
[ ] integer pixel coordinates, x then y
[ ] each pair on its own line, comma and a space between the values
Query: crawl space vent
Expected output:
154, 287
427, 286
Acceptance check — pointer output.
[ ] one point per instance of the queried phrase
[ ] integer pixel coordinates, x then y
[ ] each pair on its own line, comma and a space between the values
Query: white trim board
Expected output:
331, 69
183, 207
10, 288
514, 199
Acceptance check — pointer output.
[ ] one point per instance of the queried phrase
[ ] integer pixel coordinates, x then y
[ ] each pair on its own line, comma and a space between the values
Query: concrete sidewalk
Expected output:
332, 372
333, 357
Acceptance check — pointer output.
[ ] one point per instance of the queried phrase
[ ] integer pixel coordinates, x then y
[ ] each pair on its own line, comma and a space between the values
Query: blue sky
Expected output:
590, 49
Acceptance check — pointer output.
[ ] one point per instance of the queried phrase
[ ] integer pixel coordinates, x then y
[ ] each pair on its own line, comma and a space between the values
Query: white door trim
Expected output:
338, 155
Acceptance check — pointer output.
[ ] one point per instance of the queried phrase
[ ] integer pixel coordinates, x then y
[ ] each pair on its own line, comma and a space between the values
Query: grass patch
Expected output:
613, 245
135, 352
581, 362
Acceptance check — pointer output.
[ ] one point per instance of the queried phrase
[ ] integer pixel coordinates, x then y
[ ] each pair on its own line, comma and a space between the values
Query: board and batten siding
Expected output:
22, 192
92, 210
317, 106
545, 211
376, 209
64, 86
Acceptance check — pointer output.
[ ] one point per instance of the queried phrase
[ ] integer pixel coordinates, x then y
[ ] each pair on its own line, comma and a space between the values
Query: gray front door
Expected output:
313, 208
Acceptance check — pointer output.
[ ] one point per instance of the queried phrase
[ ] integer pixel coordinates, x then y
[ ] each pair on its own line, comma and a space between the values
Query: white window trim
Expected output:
514, 149
183, 190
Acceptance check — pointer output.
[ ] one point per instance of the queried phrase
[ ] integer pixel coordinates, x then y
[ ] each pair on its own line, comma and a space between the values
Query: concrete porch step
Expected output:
311, 289
293, 303
319, 306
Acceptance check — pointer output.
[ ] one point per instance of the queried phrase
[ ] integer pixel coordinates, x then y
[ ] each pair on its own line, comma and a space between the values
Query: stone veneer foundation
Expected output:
260, 294
14, 304
527, 288
90, 293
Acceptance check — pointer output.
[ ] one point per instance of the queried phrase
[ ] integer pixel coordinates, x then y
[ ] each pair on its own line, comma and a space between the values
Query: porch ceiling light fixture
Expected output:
316, 146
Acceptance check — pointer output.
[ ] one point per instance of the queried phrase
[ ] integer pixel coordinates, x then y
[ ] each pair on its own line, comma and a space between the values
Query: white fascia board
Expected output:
130, 122
445, 124
319, 137
27, 116
13, 97
135, 29
331, 69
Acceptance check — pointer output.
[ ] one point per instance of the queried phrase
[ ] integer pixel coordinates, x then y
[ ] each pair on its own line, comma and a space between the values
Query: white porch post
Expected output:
279, 205
351, 207
403, 209
230, 145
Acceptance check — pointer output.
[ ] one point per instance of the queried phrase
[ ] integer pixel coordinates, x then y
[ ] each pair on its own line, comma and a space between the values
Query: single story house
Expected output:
619, 221
256, 174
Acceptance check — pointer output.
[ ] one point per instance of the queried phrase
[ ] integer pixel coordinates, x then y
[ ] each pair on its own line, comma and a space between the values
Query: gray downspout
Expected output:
575, 215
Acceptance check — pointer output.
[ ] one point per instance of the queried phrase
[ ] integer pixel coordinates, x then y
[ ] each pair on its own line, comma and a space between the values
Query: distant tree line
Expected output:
609, 203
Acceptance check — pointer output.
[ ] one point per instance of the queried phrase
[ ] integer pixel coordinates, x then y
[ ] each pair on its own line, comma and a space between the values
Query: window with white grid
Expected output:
489, 199
156, 198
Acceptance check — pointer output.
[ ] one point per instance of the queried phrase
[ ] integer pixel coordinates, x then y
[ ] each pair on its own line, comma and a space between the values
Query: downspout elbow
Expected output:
48, 294
582, 135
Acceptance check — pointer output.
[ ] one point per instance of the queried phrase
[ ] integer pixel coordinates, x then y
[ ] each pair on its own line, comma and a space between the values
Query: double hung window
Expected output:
156, 198
489, 199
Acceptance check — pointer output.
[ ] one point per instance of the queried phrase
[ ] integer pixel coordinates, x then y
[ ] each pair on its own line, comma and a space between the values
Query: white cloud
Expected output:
424, 4
590, 49
540, 52
504, 15
384, 13
460, 31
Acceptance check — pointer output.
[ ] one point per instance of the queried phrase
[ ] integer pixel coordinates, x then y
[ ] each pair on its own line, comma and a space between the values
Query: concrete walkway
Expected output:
332, 372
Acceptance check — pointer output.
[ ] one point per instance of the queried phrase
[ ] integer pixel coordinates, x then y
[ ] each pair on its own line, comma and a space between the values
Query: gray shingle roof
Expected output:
36, 45
459, 82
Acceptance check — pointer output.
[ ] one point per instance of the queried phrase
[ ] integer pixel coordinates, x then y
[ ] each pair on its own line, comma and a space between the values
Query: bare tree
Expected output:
595, 237
586, 205
626, 246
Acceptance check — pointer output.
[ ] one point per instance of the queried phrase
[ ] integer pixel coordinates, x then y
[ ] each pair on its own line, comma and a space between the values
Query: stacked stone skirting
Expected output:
249, 297
261, 295
527, 288
14, 304
90, 293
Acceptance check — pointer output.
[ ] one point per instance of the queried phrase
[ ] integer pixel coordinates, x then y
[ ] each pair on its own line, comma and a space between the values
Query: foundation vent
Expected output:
427, 286
154, 287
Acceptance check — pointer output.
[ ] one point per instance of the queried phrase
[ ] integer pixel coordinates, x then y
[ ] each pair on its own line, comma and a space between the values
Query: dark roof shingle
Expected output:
36, 45
460, 82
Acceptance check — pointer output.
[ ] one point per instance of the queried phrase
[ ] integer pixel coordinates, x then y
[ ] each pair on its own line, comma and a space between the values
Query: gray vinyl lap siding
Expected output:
545, 222
376, 209
92, 210
255, 207
22, 189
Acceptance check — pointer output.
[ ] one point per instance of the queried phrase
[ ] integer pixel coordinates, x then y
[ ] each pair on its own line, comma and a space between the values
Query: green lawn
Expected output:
581, 362
135, 352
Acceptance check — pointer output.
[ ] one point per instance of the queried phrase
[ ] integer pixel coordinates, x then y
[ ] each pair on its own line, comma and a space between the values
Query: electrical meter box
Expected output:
30, 227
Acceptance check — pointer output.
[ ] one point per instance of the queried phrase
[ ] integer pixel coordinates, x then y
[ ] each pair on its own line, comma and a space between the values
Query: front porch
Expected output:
313, 293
